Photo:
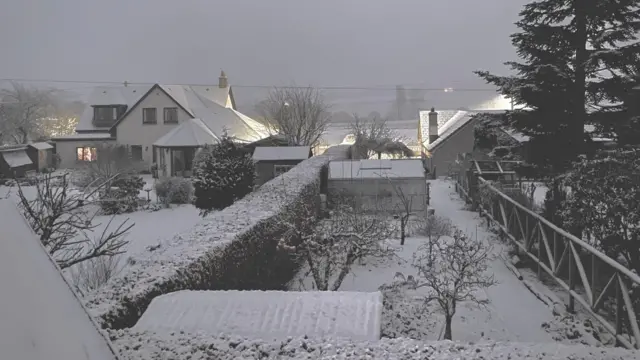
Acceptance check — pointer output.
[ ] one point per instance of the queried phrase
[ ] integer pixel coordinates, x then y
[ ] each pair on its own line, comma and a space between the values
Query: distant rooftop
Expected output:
274, 153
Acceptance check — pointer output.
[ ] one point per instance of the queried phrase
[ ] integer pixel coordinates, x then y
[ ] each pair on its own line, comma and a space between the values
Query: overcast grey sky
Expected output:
427, 43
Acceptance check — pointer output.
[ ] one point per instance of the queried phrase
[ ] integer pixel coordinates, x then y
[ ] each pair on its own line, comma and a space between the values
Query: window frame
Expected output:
145, 120
92, 150
277, 169
166, 111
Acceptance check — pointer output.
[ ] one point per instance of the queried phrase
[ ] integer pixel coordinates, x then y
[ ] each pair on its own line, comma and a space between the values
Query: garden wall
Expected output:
232, 249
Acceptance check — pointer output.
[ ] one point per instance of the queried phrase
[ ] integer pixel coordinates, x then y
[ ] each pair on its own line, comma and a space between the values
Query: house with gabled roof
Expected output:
444, 138
139, 116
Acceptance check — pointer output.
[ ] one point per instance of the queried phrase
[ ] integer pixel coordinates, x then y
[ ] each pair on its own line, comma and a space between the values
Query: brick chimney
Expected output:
433, 125
222, 80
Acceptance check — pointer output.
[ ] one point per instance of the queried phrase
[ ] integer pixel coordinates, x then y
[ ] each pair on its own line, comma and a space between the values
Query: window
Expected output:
149, 116
104, 113
170, 115
86, 154
136, 152
281, 169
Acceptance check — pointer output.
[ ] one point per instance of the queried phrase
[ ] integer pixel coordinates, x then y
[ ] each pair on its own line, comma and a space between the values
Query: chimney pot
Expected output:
222, 80
433, 126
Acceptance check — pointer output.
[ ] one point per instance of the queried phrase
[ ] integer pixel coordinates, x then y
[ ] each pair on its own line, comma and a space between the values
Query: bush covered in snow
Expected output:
222, 174
183, 346
122, 197
233, 249
174, 190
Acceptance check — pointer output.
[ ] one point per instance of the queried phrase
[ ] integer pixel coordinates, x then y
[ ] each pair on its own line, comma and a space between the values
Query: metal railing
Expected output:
552, 249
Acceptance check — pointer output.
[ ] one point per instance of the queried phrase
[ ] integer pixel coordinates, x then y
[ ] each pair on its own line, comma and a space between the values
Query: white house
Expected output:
137, 116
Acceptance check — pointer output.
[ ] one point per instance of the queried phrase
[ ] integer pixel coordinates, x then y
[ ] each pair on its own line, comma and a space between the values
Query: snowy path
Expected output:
514, 313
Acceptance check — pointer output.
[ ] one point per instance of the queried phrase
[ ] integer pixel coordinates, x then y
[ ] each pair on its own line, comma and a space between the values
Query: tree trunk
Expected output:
403, 223
379, 155
447, 327
579, 96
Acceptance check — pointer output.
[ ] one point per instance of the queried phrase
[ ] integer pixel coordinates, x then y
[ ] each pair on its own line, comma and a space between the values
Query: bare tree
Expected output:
22, 110
300, 113
454, 273
374, 137
335, 244
93, 273
63, 118
62, 219
433, 228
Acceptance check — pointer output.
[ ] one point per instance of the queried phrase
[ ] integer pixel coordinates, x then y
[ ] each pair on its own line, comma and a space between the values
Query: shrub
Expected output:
123, 196
174, 190
222, 174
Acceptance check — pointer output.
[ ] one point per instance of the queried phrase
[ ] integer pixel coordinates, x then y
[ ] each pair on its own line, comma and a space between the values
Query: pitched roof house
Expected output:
138, 116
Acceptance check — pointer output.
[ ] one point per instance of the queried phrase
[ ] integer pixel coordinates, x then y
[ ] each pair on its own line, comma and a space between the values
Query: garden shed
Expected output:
42, 318
272, 161
266, 315
41, 154
14, 161
376, 183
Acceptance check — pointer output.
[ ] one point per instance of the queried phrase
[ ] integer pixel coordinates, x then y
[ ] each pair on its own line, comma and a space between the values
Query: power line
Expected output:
256, 86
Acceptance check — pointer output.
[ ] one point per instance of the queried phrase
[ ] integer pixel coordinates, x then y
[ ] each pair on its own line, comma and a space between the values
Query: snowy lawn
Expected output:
150, 227
182, 346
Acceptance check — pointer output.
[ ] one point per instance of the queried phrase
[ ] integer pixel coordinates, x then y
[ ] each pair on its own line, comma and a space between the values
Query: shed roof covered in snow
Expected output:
192, 132
266, 314
16, 157
41, 145
275, 153
376, 168
42, 318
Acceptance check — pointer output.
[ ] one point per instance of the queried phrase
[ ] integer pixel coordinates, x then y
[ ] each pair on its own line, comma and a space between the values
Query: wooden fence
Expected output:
590, 277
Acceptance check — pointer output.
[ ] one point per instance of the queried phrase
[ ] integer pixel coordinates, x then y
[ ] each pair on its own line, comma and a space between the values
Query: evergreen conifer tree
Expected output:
222, 174
579, 61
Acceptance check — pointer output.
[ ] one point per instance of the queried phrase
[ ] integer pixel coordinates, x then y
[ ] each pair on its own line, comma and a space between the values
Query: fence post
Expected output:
572, 280
472, 182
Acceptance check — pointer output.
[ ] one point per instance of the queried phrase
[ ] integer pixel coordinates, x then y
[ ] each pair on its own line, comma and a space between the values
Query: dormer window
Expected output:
107, 115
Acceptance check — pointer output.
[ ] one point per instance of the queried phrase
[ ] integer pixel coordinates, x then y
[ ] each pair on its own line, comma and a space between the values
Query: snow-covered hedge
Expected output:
149, 346
235, 248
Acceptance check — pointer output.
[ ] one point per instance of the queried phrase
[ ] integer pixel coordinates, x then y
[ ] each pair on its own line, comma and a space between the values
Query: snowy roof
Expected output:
192, 132
460, 119
41, 316
443, 117
85, 136
109, 95
41, 145
208, 103
267, 314
375, 169
270, 153
16, 158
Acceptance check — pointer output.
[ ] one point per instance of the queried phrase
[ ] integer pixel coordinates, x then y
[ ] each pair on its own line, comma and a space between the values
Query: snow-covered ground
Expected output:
513, 313
513, 310
150, 227
183, 346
